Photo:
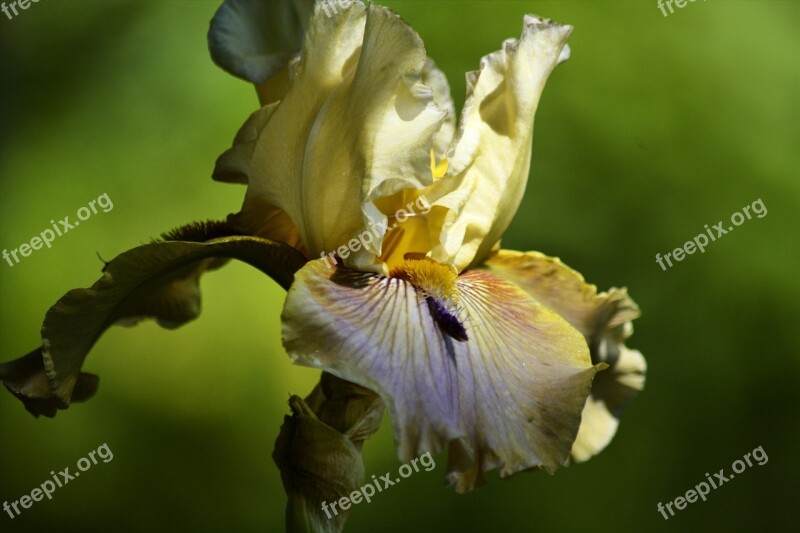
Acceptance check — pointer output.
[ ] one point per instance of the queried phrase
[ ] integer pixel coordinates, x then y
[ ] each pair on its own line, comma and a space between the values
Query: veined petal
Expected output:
510, 397
356, 124
605, 321
490, 158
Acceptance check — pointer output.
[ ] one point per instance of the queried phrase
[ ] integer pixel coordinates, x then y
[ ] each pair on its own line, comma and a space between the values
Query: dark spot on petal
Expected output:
449, 324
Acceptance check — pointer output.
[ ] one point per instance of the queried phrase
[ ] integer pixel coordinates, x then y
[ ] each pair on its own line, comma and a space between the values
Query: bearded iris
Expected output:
507, 360
475, 349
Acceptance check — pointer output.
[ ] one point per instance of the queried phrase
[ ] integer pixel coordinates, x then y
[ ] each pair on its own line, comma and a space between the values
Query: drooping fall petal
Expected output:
510, 397
27, 379
605, 321
611, 392
157, 281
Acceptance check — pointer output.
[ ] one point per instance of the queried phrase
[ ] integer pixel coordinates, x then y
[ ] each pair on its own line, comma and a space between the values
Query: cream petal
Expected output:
233, 166
510, 397
356, 124
490, 157
277, 166
605, 321
437, 81
598, 427
397, 110
611, 391
257, 217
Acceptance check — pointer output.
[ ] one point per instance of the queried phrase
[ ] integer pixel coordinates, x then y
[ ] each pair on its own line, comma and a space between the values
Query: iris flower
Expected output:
507, 360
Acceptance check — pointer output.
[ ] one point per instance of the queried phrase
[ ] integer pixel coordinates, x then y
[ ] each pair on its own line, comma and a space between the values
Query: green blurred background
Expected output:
655, 127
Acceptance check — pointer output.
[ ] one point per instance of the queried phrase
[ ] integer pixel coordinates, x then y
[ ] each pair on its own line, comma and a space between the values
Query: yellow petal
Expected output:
439, 169
490, 158
356, 124
605, 321
437, 81
257, 217
510, 397
611, 391
234, 166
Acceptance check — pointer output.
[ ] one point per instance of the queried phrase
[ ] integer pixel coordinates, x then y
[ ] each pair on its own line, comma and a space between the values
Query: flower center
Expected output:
437, 283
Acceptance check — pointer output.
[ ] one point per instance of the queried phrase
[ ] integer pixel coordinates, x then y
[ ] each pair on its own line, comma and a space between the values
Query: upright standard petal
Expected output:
605, 321
510, 397
255, 40
257, 217
356, 124
437, 81
490, 158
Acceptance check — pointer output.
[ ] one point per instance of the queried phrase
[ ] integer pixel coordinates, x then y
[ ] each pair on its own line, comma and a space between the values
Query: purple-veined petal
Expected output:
510, 397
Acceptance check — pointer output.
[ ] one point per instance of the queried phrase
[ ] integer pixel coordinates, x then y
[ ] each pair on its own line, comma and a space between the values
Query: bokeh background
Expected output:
655, 127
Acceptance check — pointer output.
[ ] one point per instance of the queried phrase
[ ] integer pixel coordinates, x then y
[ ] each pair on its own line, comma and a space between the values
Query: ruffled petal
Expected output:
356, 124
611, 391
490, 158
26, 378
437, 81
159, 280
605, 321
510, 397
